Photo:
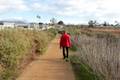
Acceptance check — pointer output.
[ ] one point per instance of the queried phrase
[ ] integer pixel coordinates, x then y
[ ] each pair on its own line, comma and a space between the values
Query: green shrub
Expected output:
15, 44
9, 74
74, 46
81, 70
41, 40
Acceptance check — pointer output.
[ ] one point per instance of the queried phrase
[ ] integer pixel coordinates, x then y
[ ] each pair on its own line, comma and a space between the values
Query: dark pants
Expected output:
65, 52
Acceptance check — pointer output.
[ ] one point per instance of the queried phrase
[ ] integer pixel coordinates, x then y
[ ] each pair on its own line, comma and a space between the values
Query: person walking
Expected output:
65, 44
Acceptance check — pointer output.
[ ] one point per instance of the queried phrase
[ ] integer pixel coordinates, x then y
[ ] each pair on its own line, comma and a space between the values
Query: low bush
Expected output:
74, 46
81, 70
15, 45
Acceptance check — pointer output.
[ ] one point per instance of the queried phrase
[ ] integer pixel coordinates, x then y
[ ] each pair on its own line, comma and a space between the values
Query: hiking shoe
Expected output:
67, 59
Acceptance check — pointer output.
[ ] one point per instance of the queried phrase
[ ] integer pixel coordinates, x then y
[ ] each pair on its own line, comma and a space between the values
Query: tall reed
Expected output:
102, 54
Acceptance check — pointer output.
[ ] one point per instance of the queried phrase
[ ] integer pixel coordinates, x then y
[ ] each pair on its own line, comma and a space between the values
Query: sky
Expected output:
69, 11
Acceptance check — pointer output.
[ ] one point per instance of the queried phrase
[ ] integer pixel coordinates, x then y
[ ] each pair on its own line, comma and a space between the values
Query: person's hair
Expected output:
63, 31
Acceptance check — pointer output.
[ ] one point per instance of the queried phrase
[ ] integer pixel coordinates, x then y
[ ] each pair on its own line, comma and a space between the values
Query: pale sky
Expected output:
69, 11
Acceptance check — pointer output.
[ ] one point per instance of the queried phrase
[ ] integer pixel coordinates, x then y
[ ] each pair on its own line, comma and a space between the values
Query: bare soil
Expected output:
106, 30
49, 66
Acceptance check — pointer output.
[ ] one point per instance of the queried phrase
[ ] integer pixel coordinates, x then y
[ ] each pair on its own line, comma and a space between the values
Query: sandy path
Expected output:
49, 66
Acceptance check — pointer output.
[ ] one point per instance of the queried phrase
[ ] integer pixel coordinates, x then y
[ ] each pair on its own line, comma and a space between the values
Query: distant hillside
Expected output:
13, 21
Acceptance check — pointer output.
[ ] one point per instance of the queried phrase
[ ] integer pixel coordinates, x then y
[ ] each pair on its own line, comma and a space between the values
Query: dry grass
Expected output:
1, 68
101, 54
16, 44
100, 49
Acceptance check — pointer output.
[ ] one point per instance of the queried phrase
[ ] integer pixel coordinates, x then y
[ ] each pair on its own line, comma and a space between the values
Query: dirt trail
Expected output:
49, 66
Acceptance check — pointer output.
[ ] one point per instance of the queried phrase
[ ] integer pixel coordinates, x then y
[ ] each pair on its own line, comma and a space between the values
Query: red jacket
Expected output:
65, 40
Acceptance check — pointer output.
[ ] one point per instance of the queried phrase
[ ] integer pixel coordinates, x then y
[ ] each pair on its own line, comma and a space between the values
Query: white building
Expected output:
6, 25
9, 25
12, 24
39, 26
21, 24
